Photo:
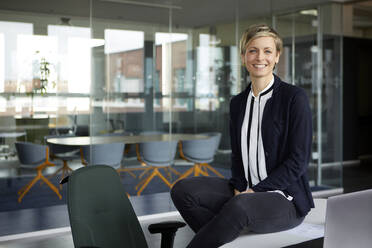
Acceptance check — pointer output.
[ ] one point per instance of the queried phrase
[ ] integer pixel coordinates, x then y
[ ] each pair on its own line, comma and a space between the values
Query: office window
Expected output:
74, 57
125, 50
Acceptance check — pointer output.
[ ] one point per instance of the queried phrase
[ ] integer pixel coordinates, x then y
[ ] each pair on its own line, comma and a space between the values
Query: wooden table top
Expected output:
129, 139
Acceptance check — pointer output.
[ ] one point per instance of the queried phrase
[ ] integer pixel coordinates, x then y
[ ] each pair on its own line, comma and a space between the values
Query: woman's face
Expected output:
260, 57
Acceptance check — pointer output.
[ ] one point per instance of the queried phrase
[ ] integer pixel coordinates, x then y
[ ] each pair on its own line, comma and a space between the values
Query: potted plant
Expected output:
41, 79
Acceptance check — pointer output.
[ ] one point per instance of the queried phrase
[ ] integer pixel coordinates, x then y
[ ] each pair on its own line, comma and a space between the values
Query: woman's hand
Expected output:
236, 192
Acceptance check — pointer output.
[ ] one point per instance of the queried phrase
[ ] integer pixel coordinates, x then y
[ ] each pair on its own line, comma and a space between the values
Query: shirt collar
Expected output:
266, 90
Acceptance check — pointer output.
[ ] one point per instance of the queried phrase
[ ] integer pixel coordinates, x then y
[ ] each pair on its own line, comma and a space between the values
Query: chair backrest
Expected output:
107, 154
203, 150
158, 153
100, 213
216, 136
30, 153
117, 134
55, 148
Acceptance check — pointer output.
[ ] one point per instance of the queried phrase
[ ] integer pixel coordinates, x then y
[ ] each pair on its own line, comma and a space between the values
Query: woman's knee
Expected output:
189, 185
236, 209
181, 189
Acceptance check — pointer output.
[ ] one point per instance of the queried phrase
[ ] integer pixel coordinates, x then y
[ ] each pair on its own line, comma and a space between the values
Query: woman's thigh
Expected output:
207, 192
261, 212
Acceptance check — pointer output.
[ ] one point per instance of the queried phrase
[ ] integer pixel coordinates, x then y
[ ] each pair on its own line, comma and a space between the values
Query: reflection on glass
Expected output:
124, 50
74, 44
2, 60
171, 63
311, 60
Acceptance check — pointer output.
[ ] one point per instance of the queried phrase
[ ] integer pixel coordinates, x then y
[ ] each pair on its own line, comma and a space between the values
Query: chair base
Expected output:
23, 191
199, 169
130, 170
65, 172
155, 172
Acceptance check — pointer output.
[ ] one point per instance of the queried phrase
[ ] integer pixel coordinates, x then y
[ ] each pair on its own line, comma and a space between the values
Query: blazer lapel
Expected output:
243, 106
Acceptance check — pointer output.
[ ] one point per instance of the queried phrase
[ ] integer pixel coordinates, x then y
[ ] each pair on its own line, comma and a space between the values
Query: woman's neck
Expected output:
259, 84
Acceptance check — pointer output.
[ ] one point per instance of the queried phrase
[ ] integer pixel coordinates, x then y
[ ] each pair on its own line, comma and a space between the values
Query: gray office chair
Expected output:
129, 152
169, 169
201, 153
63, 153
157, 154
34, 156
102, 216
107, 154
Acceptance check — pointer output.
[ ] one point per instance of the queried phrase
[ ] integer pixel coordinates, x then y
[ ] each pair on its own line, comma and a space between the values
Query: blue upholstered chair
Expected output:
106, 154
156, 155
63, 153
129, 152
201, 153
34, 156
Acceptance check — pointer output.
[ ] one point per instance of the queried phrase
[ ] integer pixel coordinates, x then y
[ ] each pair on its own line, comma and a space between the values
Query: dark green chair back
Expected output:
100, 212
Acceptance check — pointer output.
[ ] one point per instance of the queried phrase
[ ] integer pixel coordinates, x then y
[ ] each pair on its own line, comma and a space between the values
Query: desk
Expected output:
132, 139
312, 227
4, 135
12, 134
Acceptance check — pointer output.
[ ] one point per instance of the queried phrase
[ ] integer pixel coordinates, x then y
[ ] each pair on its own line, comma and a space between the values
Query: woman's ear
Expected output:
242, 59
277, 57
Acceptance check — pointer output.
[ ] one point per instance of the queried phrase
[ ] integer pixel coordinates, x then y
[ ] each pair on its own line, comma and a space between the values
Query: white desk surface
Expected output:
129, 139
312, 227
12, 134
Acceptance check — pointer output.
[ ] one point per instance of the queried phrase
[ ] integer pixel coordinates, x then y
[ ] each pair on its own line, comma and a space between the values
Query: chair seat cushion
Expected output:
199, 160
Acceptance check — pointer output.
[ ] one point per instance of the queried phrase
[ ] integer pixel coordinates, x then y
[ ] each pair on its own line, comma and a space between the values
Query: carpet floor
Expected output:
41, 195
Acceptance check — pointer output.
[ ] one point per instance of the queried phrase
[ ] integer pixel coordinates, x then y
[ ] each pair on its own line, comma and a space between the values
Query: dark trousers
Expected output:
209, 207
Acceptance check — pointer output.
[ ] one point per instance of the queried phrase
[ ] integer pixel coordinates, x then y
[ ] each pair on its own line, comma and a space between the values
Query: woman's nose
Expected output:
260, 55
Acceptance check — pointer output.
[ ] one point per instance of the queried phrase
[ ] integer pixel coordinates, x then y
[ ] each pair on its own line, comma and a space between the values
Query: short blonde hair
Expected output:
260, 30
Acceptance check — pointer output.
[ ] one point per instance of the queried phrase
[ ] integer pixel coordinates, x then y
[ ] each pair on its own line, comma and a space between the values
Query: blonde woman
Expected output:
271, 133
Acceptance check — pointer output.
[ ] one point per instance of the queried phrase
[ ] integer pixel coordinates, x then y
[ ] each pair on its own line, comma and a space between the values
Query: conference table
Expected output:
127, 139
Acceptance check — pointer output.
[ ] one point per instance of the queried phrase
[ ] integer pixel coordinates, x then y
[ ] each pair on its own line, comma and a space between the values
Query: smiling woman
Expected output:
270, 131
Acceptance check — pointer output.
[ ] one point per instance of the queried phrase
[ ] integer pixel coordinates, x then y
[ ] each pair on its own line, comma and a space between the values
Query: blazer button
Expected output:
266, 154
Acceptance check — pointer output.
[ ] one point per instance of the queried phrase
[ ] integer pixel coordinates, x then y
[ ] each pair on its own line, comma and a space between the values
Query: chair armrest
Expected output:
168, 231
64, 180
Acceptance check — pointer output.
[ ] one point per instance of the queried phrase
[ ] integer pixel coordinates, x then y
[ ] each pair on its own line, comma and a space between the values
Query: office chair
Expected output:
128, 152
34, 156
201, 153
102, 216
156, 154
63, 153
107, 154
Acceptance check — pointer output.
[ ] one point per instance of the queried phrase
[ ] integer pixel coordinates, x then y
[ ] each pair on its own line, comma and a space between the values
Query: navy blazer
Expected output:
286, 131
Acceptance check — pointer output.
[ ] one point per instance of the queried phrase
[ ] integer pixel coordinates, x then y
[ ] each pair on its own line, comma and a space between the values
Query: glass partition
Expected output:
114, 72
312, 60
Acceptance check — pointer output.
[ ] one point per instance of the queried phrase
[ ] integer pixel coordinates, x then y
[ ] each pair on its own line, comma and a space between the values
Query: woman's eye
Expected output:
267, 51
252, 51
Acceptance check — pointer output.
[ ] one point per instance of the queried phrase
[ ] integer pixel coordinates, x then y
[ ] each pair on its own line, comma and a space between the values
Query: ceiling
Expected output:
185, 13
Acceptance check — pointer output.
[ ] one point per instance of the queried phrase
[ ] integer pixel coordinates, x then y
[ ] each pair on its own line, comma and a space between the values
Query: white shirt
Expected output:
253, 155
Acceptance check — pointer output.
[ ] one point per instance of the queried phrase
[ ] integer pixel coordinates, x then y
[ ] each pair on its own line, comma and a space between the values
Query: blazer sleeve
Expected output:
295, 164
237, 180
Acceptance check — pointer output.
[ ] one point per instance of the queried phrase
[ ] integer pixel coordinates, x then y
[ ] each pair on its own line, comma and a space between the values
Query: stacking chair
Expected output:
128, 151
107, 154
201, 153
36, 157
102, 216
167, 169
64, 153
157, 154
